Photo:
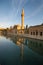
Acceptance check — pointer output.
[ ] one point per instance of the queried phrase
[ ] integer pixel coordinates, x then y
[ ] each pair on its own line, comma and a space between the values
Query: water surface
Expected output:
20, 51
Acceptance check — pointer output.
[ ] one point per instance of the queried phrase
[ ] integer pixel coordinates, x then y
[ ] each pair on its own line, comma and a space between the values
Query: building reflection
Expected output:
21, 52
33, 44
19, 42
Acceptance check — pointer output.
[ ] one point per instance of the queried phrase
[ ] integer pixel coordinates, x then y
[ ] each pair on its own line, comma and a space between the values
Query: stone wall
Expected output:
36, 32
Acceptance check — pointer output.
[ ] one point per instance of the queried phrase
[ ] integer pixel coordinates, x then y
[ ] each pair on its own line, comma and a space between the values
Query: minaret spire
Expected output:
22, 19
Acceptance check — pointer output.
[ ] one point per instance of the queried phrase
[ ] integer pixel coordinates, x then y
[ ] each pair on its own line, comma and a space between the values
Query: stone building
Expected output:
36, 32
18, 29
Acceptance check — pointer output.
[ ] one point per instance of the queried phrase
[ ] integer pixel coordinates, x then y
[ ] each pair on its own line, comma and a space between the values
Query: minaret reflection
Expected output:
20, 42
22, 52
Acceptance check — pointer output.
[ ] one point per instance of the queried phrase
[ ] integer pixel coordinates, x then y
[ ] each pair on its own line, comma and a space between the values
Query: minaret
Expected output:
22, 19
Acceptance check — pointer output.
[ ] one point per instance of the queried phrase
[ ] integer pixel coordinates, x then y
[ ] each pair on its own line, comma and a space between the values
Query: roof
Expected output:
36, 26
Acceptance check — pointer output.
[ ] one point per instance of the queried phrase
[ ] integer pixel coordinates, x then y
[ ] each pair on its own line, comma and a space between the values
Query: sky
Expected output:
10, 12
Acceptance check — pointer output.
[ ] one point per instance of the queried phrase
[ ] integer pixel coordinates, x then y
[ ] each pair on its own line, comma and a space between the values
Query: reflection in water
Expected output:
24, 51
35, 45
18, 41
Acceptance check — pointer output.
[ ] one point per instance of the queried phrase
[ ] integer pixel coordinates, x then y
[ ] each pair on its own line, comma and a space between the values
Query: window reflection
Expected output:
35, 45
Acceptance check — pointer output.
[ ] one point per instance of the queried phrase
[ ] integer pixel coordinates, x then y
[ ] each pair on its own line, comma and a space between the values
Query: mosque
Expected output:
19, 28
35, 32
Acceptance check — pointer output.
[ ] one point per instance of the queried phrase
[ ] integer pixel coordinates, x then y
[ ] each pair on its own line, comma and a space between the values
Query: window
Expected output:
31, 33
40, 33
36, 32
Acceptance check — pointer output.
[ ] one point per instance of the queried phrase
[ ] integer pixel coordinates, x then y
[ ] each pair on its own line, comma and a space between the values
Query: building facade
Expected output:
36, 32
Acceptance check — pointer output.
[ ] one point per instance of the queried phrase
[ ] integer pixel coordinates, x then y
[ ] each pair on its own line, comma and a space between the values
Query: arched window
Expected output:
33, 33
36, 32
40, 33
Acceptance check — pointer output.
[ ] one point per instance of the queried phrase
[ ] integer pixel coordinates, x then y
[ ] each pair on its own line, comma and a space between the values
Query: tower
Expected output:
22, 19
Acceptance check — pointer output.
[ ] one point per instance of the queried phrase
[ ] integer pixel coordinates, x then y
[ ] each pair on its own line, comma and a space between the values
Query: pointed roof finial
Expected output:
23, 11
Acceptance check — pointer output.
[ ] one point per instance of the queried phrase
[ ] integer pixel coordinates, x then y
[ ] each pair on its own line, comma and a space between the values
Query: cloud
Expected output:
19, 6
41, 19
36, 11
15, 7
